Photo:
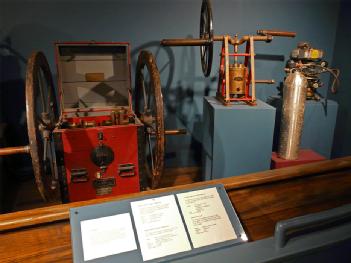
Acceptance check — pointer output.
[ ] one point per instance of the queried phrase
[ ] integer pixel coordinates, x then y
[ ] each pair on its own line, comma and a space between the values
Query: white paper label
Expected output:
107, 236
205, 217
159, 226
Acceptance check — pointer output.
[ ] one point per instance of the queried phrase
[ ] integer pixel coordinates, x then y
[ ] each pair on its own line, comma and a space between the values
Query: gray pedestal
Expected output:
237, 139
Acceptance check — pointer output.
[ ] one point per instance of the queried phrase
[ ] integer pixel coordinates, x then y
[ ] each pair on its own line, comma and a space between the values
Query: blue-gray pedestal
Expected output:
318, 126
237, 139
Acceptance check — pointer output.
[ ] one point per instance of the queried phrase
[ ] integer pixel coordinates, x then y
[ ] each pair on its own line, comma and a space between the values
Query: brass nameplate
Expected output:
103, 186
94, 77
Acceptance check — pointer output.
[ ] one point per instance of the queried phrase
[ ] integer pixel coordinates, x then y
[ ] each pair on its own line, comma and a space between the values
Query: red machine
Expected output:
99, 140
97, 145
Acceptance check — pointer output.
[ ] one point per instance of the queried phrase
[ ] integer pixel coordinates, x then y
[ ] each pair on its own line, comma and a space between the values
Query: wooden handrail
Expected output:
61, 212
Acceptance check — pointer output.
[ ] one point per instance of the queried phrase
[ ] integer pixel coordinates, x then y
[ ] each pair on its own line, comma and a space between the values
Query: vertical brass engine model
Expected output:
237, 80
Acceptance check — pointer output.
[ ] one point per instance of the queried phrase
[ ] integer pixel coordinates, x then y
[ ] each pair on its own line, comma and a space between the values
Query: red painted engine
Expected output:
99, 140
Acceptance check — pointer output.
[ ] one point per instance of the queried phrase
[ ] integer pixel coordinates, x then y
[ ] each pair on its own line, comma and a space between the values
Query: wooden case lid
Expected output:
93, 75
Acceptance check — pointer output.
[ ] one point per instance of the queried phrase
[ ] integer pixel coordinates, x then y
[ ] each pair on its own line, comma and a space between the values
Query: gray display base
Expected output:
79, 214
237, 139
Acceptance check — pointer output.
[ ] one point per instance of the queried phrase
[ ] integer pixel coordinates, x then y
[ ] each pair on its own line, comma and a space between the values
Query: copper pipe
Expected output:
234, 41
218, 38
276, 33
253, 74
265, 81
247, 38
226, 70
171, 132
14, 150
186, 42
175, 132
206, 42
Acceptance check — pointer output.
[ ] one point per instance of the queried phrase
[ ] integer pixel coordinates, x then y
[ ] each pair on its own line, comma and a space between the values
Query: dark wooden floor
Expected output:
24, 194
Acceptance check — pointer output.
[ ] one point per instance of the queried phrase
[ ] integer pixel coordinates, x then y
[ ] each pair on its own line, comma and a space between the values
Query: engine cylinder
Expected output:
237, 79
294, 98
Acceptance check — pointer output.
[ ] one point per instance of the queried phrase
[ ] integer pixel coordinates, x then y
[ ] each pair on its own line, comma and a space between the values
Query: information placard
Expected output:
205, 217
156, 228
159, 226
107, 236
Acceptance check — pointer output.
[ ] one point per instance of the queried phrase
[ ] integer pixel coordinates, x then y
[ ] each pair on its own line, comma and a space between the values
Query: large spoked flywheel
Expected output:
149, 108
42, 116
206, 32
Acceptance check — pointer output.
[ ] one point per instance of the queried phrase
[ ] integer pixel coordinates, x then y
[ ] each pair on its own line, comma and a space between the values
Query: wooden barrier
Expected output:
260, 199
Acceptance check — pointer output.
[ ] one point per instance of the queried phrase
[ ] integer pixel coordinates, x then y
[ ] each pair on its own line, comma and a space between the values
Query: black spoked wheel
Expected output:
42, 116
149, 109
206, 32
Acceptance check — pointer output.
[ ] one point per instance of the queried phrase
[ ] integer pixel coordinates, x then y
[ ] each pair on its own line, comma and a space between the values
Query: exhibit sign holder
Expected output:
156, 228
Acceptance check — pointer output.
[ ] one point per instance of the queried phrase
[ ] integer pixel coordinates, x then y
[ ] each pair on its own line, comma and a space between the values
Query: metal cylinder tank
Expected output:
294, 98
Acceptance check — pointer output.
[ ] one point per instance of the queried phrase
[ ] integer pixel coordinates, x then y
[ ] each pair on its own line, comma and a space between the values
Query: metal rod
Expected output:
185, 42
239, 54
236, 51
206, 42
264, 81
151, 153
226, 69
14, 150
252, 62
171, 132
235, 41
175, 132
276, 33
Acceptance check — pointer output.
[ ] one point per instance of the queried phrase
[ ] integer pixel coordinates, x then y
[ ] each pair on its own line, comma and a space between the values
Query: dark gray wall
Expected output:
342, 60
35, 25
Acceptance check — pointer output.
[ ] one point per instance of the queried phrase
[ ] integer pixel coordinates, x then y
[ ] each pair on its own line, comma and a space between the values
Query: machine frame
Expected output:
232, 87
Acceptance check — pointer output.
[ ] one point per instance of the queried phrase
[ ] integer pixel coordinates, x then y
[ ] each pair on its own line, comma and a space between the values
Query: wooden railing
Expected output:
260, 199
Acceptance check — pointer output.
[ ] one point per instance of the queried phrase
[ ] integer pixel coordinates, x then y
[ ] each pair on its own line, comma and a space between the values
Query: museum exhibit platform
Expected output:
303, 193
237, 139
305, 156
318, 127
